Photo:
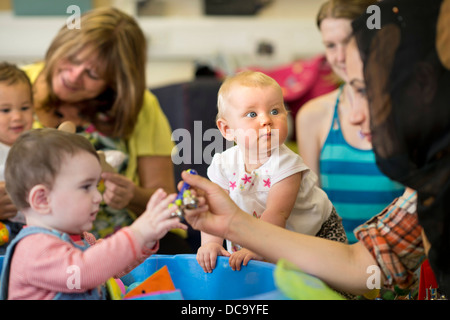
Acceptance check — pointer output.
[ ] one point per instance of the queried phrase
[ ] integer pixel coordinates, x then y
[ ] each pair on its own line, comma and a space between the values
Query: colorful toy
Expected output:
297, 285
185, 199
4, 234
70, 127
116, 289
160, 295
159, 281
67, 126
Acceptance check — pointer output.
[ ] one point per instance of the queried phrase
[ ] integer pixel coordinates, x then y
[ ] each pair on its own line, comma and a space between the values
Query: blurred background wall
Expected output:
181, 33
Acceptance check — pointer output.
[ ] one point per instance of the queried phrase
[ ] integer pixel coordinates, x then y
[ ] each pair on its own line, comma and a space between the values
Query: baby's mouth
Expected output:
268, 134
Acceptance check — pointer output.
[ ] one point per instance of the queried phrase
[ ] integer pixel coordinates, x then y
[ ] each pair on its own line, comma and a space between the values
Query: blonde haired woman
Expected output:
95, 77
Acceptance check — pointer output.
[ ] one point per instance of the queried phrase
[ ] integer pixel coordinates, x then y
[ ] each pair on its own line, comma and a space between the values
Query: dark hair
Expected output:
36, 158
10, 74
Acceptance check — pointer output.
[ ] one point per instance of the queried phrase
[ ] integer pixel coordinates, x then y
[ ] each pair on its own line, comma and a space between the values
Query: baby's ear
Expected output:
225, 129
38, 199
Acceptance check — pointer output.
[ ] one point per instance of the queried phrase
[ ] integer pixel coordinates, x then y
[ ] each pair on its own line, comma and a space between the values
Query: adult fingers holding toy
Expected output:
218, 202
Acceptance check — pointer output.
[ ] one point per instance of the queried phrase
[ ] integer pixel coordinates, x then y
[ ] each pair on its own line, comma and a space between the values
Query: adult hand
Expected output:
215, 216
7, 208
119, 190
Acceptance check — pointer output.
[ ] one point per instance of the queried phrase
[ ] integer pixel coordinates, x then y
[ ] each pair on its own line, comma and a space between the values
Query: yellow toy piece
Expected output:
372, 294
298, 285
4, 234
114, 290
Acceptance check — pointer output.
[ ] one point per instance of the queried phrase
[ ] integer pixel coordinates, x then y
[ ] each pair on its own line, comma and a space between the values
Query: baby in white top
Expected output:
262, 175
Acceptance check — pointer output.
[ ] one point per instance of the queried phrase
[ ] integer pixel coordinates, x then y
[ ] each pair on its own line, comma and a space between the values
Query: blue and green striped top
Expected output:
352, 180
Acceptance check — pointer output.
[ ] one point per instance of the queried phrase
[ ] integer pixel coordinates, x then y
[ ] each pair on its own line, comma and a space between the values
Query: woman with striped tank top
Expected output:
327, 141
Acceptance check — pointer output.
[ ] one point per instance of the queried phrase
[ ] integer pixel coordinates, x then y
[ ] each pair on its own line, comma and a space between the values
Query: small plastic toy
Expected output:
67, 126
298, 285
116, 289
4, 234
185, 199
158, 281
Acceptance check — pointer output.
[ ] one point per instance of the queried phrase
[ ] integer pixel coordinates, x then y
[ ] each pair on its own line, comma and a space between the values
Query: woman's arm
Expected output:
154, 172
279, 205
342, 266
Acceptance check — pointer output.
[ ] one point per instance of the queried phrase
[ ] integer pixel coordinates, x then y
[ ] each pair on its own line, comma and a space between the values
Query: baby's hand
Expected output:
157, 219
207, 255
242, 256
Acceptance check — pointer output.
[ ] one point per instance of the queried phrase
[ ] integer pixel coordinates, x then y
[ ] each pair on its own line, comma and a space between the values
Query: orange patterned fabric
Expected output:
394, 239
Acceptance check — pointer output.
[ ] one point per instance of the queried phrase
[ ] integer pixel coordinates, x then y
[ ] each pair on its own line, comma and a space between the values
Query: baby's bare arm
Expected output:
281, 200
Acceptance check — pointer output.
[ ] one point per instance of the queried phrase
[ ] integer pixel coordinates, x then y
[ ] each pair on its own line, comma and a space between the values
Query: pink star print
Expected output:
267, 183
232, 185
256, 215
247, 179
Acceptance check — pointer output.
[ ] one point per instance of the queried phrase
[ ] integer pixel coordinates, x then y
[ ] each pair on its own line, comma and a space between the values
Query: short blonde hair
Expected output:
246, 78
120, 45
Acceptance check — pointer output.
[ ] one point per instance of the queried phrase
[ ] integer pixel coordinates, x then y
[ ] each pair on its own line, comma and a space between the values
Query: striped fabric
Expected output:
352, 180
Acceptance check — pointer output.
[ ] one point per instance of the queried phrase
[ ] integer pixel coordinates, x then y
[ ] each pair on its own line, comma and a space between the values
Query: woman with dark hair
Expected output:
401, 101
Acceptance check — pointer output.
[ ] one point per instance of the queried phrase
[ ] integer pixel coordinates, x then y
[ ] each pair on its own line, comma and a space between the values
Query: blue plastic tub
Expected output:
254, 281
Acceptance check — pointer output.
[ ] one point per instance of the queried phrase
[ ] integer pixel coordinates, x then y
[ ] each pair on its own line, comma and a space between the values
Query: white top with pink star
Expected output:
250, 190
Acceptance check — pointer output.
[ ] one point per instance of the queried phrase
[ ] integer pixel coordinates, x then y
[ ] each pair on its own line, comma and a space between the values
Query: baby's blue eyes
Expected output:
253, 114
